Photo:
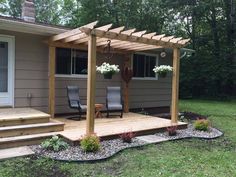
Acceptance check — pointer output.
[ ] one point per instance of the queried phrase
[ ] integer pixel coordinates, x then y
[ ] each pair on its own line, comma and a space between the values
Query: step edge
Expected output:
28, 126
23, 118
27, 137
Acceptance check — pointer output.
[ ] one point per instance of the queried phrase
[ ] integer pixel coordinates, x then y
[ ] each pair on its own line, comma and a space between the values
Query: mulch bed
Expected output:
190, 132
75, 153
112, 147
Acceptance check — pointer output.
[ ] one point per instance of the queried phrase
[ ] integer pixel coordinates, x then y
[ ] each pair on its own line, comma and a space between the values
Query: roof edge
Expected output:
19, 25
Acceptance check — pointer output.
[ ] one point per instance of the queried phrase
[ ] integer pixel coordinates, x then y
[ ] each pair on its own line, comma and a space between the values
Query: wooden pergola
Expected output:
122, 41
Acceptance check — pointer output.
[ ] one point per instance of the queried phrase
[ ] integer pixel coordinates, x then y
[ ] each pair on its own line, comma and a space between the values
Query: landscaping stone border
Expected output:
138, 142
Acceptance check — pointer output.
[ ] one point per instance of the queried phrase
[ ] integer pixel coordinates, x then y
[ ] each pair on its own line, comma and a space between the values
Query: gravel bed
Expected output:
75, 153
111, 147
191, 132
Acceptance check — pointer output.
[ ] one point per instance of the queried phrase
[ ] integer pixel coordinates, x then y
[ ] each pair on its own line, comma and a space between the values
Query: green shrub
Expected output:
55, 143
90, 143
201, 124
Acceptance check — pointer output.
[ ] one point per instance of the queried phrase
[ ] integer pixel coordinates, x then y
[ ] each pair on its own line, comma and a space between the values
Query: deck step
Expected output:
23, 121
18, 130
22, 116
24, 140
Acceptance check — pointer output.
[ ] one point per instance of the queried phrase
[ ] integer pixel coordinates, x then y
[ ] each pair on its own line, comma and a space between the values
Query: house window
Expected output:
71, 62
143, 65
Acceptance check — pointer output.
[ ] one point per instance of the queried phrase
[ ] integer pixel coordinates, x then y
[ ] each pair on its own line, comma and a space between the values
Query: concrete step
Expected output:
18, 130
15, 152
24, 140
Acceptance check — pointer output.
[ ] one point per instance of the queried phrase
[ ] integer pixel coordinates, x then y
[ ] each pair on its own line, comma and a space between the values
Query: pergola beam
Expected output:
117, 30
144, 48
176, 40
184, 41
73, 38
127, 44
105, 27
130, 38
73, 32
158, 37
139, 33
132, 46
167, 39
149, 35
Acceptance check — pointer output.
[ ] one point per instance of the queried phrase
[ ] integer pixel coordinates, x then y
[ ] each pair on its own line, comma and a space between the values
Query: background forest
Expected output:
211, 25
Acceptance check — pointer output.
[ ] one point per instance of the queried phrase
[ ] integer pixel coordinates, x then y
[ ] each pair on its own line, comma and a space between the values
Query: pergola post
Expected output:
51, 101
91, 84
175, 86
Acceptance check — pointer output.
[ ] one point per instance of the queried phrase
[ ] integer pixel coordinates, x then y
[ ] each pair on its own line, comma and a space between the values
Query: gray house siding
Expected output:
31, 77
152, 93
31, 70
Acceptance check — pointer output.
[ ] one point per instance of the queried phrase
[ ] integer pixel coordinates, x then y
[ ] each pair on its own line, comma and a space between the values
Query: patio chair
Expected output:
114, 101
74, 100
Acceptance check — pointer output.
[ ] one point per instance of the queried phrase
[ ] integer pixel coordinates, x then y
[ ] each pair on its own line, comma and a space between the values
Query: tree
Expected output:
49, 11
11, 7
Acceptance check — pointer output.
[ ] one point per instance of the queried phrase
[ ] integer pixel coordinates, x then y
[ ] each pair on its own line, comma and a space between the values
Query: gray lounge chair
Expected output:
114, 101
74, 100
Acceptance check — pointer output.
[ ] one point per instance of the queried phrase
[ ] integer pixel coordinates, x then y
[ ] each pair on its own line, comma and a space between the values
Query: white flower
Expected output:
162, 69
107, 68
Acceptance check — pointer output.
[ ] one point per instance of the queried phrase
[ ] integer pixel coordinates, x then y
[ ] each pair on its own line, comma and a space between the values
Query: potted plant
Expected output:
162, 70
108, 70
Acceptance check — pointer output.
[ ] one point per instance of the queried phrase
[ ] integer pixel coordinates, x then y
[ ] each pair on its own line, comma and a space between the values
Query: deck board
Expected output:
108, 127
17, 113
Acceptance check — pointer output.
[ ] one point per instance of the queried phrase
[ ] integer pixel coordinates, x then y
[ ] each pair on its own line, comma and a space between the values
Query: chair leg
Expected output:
121, 114
107, 113
80, 115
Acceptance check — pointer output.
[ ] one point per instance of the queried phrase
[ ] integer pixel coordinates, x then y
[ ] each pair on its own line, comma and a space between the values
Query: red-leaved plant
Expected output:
127, 136
172, 130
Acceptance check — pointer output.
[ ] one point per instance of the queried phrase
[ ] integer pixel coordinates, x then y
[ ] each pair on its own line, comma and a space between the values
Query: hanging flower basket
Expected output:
162, 70
108, 75
163, 74
108, 70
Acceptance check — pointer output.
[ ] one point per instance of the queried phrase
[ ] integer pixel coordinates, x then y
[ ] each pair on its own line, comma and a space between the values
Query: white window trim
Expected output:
78, 76
148, 54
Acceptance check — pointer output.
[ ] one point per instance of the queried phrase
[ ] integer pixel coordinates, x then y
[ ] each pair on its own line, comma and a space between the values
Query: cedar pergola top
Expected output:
121, 39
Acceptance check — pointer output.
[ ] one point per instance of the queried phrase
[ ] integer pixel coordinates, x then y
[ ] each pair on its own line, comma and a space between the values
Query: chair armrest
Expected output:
79, 104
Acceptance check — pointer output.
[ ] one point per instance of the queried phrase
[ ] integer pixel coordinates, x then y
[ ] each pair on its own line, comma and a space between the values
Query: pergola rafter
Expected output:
122, 41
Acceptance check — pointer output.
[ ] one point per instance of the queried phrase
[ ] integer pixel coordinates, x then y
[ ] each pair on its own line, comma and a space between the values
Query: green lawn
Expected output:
180, 158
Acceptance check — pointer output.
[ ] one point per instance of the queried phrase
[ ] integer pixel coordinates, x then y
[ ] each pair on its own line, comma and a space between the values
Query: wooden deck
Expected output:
107, 128
26, 126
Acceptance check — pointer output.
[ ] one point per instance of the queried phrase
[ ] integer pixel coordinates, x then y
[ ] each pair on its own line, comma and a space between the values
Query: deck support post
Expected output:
175, 86
51, 101
91, 84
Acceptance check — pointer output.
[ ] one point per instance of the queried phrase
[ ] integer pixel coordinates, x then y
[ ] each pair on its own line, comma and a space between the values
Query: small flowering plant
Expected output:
162, 70
108, 70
